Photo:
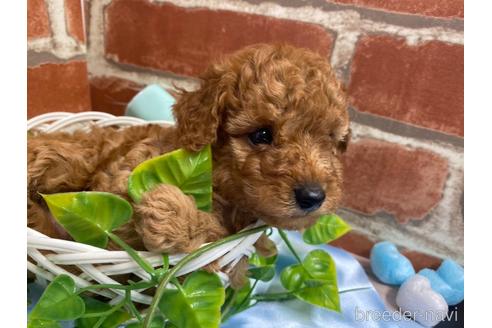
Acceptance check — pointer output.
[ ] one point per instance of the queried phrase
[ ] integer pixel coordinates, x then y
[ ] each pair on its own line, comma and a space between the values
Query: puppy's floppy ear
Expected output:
199, 113
343, 144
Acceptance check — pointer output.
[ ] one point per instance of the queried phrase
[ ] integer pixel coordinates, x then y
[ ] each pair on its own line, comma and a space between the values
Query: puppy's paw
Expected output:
238, 274
265, 246
165, 218
212, 267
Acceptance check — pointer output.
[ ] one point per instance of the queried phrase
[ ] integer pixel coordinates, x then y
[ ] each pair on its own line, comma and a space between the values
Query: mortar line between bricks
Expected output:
60, 44
85, 18
452, 153
56, 13
124, 67
48, 45
403, 129
411, 20
340, 21
39, 58
143, 77
342, 53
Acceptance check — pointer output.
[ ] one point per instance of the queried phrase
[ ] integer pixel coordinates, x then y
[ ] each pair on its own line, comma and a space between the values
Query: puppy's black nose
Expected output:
309, 197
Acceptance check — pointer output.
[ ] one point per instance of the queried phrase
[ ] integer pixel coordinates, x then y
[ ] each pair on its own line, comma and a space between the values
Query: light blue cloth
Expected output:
355, 304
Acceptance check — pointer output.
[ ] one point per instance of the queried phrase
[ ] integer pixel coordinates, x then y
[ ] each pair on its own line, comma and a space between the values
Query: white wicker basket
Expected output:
96, 264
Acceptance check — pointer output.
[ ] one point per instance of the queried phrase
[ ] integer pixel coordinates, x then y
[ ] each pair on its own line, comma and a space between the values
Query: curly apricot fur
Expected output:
290, 90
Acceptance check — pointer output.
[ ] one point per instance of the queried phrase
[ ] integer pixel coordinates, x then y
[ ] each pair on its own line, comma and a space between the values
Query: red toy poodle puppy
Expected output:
277, 119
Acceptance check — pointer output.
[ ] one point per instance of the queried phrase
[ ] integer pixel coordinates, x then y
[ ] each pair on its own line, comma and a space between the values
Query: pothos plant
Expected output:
200, 301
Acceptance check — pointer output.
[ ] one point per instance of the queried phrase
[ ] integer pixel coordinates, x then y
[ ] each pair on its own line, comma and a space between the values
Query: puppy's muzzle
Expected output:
309, 197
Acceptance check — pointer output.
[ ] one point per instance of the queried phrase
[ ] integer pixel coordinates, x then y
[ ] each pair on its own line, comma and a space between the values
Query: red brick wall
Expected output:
433, 8
402, 63
57, 75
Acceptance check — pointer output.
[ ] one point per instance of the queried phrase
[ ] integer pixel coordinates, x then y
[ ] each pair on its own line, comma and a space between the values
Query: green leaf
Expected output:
39, 323
326, 229
240, 299
259, 261
157, 322
88, 216
314, 281
242, 294
196, 304
191, 172
264, 267
58, 302
159, 273
168, 324
93, 306
264, 273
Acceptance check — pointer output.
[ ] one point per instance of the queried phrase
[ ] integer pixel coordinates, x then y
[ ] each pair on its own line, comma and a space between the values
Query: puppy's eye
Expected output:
261, 136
